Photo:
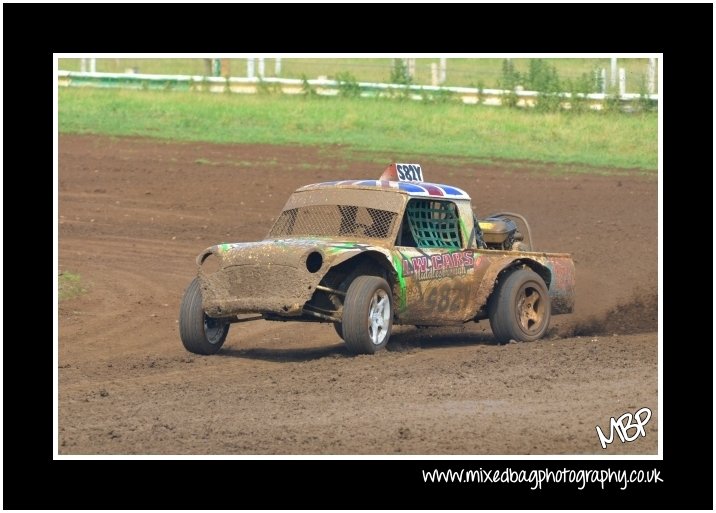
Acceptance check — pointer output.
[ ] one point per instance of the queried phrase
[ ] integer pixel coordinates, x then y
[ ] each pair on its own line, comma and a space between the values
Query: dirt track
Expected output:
135, 212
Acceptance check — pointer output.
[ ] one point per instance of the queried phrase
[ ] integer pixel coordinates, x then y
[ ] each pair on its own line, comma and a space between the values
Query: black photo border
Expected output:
33, 480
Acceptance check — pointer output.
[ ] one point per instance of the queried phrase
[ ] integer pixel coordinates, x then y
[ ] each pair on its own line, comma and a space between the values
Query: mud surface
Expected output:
134, 213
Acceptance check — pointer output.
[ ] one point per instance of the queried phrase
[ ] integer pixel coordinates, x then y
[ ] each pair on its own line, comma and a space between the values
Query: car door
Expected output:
437, 264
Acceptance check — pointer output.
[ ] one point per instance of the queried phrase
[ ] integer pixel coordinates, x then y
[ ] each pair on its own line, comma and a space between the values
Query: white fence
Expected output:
245, 85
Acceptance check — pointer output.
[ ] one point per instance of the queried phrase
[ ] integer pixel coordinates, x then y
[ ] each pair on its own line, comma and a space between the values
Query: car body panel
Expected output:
270, 275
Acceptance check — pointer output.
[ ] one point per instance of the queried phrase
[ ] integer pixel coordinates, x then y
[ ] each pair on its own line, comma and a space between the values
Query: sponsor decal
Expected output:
435, 267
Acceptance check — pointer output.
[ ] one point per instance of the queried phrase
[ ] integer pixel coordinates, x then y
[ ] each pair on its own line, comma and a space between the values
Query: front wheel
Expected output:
339, 329
367, 315
199, 333
520, 308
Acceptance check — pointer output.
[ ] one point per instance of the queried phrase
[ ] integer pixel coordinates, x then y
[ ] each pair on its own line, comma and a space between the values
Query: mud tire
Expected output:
366, 322
339, 329
199, 333
519, 308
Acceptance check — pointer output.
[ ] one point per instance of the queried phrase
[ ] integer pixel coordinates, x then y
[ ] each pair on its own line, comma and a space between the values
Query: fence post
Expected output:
277, 66
614, 72
225, 67
93, 65
262, 67
603, 81
216, 67
622, 81
83, 65
411, 68
651, 73
434, 74
443, 70
250, 68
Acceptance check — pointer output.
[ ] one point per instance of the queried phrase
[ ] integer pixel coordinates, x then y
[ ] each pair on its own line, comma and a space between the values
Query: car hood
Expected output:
288, 252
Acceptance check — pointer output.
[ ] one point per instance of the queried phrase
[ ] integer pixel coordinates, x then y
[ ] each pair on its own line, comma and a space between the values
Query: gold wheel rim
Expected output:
530, 309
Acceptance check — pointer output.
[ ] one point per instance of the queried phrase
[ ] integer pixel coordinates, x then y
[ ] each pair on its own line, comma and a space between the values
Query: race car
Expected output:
366, 255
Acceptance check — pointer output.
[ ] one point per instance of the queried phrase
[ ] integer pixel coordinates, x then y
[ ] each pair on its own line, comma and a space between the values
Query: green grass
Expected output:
69, 285
404, 128
460, 72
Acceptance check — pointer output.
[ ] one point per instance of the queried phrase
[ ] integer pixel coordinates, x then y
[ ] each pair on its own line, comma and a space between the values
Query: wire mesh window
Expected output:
434, 224
334, 221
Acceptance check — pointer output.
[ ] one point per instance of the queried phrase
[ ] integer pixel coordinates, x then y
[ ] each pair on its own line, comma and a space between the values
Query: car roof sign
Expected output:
403, 173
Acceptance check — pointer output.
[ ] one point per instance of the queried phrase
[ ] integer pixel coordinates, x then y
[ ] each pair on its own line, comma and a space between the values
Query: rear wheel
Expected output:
199, 333
520, 308
367, 315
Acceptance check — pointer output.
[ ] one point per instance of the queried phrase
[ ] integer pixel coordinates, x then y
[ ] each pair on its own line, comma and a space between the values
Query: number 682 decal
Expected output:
447, 299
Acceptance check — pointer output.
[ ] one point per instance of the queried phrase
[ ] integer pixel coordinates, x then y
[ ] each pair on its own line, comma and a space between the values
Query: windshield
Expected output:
343, 221
347, 213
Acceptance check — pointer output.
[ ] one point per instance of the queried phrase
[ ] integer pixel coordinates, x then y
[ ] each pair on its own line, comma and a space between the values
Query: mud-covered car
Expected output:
368, 254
